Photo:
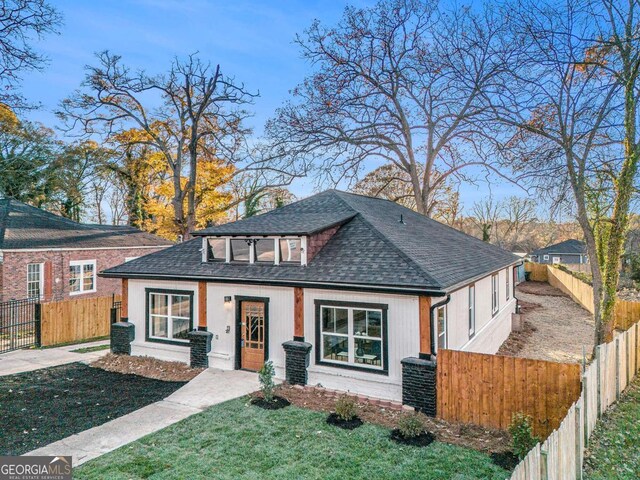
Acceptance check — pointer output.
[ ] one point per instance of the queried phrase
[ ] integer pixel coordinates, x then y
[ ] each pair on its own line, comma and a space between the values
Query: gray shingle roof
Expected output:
576, 247
372, 248
25, 227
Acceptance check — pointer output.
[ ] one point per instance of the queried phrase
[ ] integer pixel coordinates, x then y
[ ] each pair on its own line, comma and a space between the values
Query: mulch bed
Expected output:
422, 440
43, 406
517, 340
335, 420
147, 367
276, 404
471, 436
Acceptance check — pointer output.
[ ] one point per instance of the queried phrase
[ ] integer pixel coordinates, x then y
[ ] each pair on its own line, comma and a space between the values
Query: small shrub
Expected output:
522, 434
267, 385
346, 408
410, 425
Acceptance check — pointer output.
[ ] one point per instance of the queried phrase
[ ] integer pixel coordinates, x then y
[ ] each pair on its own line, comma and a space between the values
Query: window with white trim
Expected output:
82, 276
352, 336
169, 316
545, 257
556, 260
265, 250
290, 250
472, 310
35, 277
495, 302
508, 284
441, 319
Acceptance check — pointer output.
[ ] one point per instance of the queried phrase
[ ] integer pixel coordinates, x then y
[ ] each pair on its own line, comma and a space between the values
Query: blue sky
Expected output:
251, 40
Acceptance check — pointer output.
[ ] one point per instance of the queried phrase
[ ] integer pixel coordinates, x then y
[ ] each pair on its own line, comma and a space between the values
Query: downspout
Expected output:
432, 324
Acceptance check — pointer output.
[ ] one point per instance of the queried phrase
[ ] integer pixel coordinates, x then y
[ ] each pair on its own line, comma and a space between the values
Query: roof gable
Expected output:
571, 246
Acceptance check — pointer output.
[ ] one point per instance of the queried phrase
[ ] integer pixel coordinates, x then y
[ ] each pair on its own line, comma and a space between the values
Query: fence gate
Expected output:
19, 324
116, 309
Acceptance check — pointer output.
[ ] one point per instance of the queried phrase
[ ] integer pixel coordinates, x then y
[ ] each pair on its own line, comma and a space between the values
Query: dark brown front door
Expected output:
252, 335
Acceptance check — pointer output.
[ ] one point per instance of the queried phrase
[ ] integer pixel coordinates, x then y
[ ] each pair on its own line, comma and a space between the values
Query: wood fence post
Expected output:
617, 342
585, 404
636, 351
598, 380
544, 474
578, 439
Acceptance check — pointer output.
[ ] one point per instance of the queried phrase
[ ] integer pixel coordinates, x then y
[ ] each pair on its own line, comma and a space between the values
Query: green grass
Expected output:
235, 440
614, 450
95, 348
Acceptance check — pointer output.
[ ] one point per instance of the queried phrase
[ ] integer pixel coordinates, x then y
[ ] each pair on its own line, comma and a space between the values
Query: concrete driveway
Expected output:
27, 360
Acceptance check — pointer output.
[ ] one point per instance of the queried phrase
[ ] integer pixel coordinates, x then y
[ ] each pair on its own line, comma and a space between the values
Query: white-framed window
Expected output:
129, 259
169, 315
82, 276
508, 283
556, 260
545, 257
35, 280
264, 250
495, 302
441, 320
352, 335
290, 250
472, 310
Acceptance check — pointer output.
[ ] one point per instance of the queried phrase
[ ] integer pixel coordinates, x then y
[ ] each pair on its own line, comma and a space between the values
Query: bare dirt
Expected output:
147, 367
556, 328
470, 436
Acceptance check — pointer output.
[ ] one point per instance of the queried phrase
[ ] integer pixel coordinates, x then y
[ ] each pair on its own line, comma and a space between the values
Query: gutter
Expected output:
431, 322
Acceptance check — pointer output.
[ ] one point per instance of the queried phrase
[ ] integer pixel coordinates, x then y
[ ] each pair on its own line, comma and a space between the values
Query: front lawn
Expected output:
43, 406
614, 451
236, 440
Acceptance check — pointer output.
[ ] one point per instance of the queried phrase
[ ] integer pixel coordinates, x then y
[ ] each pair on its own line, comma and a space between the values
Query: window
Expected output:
494, 294
240, 250
130, 259
34, 280
545, 257
82, 276
169, 316
264, 250
472, 310
351, 335
216, 250
507, 284
441, 318
290, 250
556, 260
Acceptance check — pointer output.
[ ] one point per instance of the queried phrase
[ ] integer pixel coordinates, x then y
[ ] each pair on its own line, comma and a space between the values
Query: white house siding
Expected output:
403, 339
490, 331
137, 316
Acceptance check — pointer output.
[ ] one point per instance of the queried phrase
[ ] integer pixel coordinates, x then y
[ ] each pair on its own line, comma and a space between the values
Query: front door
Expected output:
252, 335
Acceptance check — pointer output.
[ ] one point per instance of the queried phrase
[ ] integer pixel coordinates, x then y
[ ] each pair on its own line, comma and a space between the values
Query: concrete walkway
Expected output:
28, 360
209, 388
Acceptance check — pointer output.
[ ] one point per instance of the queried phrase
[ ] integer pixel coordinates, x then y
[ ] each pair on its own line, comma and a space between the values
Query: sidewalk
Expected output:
27, 360
207, 389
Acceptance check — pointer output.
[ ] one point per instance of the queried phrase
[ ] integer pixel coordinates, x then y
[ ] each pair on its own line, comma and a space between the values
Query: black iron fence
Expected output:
19, 324
116, 310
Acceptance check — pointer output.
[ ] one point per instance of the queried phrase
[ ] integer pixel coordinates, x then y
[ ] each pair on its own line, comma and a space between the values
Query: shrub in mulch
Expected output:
422, 440
337, 421
507, 460
274, 404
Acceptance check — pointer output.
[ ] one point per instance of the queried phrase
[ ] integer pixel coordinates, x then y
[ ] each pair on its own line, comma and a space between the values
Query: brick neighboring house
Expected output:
51, 257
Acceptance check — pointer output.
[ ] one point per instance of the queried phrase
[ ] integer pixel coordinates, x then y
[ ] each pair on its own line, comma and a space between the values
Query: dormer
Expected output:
263, 250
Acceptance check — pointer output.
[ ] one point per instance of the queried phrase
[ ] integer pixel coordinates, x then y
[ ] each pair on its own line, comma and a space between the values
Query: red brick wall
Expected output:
13, 277
319, 240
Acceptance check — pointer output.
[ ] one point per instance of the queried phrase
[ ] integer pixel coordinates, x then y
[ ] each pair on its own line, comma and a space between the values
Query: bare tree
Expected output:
485, 215
20, 21
400, 82
574, 77
199, 113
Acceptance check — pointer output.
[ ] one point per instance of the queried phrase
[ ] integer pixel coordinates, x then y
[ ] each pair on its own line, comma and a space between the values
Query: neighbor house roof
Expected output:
25, 227
379, 244
575, 247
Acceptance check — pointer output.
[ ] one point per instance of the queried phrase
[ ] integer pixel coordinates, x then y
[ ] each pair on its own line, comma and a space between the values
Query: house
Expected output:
351, 292
567, 252
46, 256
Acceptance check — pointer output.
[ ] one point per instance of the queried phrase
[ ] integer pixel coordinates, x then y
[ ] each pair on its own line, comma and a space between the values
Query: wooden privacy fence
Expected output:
561, 456
488, 389
538, 271
77, 319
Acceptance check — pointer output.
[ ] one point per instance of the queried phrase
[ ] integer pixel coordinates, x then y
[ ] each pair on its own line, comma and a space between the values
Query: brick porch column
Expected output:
296, 361
419, 384
122, 334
